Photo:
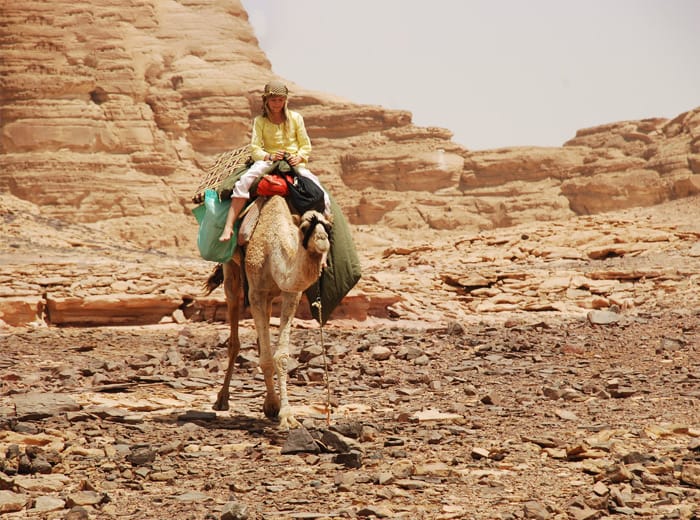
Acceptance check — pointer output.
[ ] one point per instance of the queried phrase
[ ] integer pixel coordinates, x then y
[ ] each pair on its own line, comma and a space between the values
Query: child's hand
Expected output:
294, 160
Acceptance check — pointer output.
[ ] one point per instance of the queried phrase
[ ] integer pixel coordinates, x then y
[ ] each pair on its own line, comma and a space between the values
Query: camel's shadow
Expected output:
255, 426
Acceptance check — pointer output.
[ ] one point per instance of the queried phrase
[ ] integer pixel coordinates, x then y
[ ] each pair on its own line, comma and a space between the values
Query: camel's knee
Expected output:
281, 359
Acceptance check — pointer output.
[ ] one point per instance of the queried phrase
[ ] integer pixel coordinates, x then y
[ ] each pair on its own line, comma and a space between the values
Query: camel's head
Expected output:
316, 232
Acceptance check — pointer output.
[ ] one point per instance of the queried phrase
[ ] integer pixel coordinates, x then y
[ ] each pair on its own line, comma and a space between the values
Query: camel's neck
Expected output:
276, 255
298, 271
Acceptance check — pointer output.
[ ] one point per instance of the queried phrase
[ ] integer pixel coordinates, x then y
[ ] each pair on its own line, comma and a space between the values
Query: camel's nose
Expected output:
322, 236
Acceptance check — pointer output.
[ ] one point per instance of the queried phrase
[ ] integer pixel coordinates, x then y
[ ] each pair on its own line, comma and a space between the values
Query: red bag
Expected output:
270, 185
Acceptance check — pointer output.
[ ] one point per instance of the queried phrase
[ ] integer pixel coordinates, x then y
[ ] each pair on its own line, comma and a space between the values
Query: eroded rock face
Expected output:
642, 163
112, 111
106, 106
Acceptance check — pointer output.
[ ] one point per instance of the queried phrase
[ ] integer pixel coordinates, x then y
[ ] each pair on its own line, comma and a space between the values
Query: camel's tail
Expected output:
215, 279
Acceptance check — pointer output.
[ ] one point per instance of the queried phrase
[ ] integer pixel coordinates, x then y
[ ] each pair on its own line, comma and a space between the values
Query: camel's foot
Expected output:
271, 407
287, 420
221, 403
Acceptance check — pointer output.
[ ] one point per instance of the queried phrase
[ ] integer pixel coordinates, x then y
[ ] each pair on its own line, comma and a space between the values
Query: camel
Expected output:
284, 256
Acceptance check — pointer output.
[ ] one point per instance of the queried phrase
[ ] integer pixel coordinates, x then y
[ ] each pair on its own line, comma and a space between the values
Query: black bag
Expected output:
304, 195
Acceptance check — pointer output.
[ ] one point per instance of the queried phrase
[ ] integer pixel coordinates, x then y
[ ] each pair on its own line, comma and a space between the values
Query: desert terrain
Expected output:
539, 405
524, 342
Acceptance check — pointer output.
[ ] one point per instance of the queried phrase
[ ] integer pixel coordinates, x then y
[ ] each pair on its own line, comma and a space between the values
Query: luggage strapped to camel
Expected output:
281, 178
213, 196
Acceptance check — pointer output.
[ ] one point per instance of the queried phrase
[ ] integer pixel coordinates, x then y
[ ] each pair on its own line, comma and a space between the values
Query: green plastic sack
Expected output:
211, 216
342, 272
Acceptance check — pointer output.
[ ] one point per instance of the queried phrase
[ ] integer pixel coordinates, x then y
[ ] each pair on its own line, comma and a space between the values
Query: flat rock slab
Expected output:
10, 501
300, 440
603, 317
33, 406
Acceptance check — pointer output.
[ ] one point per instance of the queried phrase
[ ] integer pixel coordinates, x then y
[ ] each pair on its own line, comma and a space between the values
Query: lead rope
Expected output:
319, 306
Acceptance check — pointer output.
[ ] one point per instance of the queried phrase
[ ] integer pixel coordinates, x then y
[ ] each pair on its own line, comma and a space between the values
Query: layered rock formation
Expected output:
112, 110
109, 107
638, 260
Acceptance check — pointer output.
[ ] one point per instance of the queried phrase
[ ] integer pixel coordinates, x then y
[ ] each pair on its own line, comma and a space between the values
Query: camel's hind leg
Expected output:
260, 308
232, 288
290, 302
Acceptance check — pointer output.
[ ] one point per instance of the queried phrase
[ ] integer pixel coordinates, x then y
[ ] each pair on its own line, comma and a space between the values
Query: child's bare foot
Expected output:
226, 234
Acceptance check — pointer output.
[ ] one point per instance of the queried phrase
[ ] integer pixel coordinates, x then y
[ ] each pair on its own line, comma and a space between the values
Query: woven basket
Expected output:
224, 165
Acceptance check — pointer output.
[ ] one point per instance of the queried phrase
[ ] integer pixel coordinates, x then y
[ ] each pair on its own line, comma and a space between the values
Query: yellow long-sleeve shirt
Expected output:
269, 137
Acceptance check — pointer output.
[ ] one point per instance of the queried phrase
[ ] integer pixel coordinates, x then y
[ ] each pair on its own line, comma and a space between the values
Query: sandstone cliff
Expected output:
111, 111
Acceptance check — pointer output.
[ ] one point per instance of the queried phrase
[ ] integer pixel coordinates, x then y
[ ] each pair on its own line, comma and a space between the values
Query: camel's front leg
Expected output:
290, 302
260, 305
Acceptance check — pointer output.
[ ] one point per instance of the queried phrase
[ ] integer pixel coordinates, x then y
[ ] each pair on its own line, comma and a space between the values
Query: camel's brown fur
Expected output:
275, 263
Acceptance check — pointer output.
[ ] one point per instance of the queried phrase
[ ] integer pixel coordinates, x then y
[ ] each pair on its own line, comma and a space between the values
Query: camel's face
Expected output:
316, 231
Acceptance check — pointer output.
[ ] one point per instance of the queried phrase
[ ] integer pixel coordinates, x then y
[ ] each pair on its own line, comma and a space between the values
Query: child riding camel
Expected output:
277, 133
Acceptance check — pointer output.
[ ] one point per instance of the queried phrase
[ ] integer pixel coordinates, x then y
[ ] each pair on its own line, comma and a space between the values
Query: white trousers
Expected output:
241, 189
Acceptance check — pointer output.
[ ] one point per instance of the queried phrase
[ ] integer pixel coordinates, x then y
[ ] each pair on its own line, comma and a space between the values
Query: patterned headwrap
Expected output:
275, 88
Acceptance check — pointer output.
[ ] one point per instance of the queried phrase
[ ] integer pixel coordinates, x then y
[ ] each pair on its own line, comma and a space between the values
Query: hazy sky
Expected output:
495, 72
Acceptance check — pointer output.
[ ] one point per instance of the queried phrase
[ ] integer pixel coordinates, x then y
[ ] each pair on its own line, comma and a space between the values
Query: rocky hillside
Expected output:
112, 111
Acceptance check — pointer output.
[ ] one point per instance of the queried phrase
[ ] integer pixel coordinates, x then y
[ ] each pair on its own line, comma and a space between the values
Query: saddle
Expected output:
249, 219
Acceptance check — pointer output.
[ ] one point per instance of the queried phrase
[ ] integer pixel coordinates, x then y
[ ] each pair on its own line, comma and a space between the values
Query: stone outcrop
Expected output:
108, 107
642, 163
627, 260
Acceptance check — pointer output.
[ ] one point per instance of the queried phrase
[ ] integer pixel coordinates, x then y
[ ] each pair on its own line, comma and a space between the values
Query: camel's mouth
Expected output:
309, 228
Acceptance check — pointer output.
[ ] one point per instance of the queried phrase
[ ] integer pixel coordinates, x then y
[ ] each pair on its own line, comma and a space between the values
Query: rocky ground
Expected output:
536, 372
555, 419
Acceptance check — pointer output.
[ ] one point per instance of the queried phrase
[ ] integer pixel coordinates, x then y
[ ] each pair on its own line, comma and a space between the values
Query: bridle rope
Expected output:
318, 305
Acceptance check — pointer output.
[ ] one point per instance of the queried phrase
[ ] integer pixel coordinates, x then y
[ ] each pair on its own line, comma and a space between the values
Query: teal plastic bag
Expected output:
211, 216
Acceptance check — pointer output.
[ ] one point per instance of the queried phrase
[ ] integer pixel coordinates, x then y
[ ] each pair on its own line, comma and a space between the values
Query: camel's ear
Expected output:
296, 219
